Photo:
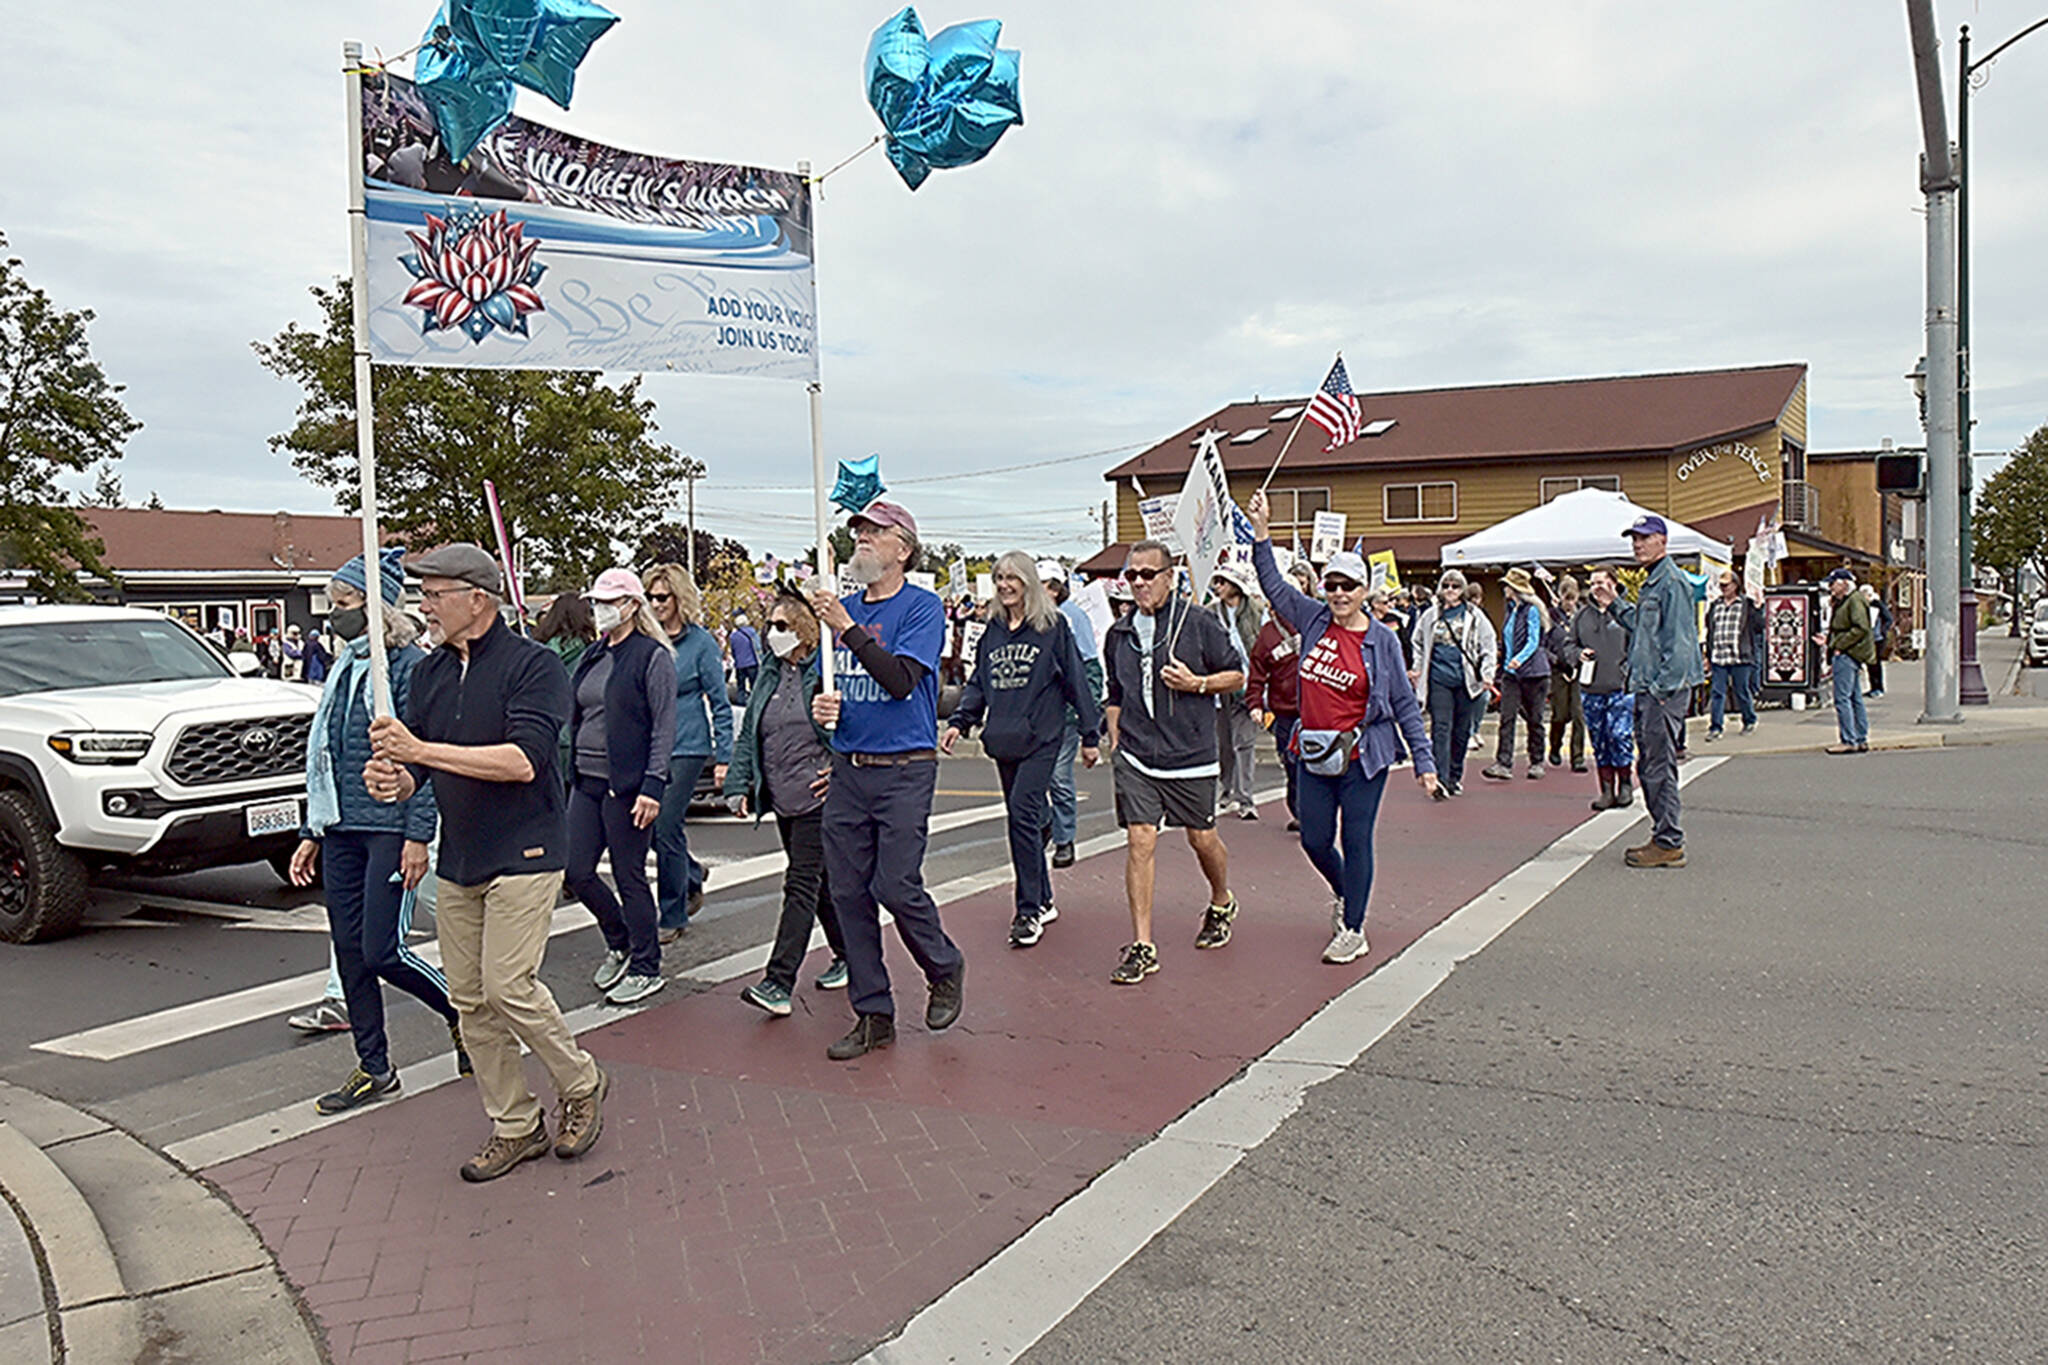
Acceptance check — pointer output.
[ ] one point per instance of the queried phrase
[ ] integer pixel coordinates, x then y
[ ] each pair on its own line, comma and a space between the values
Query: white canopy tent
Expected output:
1576, 528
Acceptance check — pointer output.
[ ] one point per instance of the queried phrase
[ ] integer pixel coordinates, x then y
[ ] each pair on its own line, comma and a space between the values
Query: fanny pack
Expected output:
1327, 753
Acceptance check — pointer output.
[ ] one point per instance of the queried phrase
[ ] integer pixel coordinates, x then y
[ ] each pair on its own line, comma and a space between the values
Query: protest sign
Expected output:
1157, 514
1328, 536
1093, 598
1201, 516
1386, 576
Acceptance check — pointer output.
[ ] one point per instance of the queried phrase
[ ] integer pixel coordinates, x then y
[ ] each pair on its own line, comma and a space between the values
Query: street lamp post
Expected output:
1974, 692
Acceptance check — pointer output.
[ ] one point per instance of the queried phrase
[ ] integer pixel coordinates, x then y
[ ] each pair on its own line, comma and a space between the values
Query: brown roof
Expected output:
141, 540
1628, 415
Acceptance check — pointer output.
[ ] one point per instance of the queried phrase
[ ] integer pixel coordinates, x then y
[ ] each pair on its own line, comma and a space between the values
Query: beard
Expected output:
864, 568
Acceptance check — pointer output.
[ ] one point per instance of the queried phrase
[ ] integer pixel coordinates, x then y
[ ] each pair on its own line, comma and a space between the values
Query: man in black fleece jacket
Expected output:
1164, 664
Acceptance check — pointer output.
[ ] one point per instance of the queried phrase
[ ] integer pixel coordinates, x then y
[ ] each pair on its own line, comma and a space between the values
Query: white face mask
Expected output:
609, 616
784, 642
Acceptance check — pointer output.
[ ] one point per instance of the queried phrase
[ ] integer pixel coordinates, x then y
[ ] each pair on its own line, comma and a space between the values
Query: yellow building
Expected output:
1716, 449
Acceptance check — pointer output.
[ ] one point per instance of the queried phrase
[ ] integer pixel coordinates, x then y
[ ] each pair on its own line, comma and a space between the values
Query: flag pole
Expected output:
819, 507
1299, 418
366, 415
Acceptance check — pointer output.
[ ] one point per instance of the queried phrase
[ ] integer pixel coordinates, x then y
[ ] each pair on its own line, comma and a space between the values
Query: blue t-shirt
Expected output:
912, 623
1446, 661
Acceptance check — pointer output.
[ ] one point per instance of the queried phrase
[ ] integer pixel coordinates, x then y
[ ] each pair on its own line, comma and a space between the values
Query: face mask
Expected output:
784, 642
349, 622
609, 616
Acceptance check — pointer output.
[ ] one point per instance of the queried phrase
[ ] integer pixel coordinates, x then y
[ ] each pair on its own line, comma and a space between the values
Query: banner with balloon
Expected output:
549, 251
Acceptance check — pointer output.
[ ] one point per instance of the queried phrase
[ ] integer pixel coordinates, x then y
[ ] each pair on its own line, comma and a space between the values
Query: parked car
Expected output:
127, 742
2037, 636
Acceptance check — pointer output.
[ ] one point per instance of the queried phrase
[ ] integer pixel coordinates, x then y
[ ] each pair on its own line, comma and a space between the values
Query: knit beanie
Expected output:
390, 572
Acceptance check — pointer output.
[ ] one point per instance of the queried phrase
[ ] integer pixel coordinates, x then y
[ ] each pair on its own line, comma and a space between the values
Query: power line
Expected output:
946, 478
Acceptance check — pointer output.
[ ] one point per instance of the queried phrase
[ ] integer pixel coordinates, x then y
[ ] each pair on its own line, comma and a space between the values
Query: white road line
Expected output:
1001, 1310
181, 1023
255, 1133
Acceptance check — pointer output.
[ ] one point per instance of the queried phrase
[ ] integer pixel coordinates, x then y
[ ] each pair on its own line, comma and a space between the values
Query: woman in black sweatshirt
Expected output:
1027, 670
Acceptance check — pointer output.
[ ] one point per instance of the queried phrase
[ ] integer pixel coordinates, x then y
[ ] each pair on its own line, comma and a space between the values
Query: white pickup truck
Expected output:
128, 742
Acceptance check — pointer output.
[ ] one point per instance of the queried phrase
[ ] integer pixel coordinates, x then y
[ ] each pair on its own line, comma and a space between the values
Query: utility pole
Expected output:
1107, 541
693, 470
1938, 181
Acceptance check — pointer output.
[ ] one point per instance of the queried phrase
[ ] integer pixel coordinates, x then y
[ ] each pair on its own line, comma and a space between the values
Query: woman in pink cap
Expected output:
622, 724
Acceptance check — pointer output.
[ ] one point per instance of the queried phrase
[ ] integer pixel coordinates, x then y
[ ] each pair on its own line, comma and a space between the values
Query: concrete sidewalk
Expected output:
752, 1201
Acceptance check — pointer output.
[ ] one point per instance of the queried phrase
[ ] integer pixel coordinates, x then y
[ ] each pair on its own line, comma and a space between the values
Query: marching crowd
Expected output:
512, 766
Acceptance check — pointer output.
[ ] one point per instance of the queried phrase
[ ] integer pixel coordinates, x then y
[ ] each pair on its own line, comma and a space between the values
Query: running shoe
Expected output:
360, 1088
1348, 945
1140, 960
766, 995
633, 989
1024, 930
1216, 922
609, 972
833, 978
329, 1016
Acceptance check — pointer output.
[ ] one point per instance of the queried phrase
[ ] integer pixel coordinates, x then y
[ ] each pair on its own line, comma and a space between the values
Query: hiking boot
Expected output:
501, 1154
944, 1005
1216, 920
329, 1016
1655, 855
463, 1066
1140, 960
1495, 772
1624, 790
833, 978
1024, 930
1348, 945
609, 972
579, 1121
870, 1033
360, 1088
1605, 800
633, 989
1062, 855
1535, 771
766, 995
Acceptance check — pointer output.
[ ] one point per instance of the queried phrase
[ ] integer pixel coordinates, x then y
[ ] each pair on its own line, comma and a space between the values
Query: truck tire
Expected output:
42, 884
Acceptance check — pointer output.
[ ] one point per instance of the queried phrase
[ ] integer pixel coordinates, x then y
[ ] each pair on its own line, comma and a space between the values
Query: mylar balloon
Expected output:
859, 483
476, 49
943, 101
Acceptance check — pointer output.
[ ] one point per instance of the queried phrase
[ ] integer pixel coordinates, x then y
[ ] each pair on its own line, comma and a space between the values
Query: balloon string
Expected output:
878, 140
383, 63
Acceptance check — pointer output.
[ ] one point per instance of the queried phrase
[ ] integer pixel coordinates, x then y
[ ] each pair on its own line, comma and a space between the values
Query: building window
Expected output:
1572, 483
1419, 502
1294, 509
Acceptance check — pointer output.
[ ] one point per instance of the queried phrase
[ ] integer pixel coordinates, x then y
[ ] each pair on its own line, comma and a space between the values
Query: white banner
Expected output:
1157, 514
1328, 537
1201, 516
544, 251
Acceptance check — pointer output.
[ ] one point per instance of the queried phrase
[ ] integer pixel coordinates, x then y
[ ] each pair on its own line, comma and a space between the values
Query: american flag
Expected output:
1241, 526
1335, 408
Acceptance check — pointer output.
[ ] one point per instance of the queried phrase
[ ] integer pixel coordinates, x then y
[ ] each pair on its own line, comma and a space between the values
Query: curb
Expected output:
1945, 737
134, 1252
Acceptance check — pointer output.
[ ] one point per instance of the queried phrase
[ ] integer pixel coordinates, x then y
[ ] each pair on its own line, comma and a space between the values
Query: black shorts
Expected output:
1189, 802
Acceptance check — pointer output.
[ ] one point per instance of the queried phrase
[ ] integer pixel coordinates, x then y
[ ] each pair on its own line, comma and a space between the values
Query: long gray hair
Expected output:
1039, 611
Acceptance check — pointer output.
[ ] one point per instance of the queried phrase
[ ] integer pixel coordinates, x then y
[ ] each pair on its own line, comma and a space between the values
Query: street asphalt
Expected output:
1787, 1103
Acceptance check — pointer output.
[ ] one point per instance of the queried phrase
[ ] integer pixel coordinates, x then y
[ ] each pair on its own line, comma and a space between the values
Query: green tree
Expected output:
106, 488
576, 463
2010, 522
58, 413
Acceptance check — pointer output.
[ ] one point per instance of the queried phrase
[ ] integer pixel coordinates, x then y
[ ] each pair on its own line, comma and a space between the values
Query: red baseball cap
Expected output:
879, 513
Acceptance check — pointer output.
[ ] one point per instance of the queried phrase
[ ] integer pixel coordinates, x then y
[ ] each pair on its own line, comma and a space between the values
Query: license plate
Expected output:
272, 817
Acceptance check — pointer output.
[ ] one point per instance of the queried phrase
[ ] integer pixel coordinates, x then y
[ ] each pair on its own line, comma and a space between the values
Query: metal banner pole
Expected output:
366, 416
820, 476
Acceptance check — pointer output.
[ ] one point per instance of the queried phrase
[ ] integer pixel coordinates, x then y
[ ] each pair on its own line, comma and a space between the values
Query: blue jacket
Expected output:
700, 678
1391, 698
348, 741
1664, 653
639, 713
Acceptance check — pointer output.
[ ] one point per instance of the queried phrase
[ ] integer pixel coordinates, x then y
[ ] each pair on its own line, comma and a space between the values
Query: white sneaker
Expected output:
609, 971
1348, 946
632, 989
1049, 914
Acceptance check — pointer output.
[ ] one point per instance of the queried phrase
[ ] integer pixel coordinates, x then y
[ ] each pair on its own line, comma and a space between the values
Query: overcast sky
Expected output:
1202, 205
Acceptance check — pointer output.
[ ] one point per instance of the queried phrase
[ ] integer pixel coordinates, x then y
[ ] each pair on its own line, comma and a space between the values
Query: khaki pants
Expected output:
492, 939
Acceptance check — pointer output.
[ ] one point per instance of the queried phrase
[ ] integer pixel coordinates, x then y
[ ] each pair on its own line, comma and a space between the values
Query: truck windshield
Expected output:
48, 655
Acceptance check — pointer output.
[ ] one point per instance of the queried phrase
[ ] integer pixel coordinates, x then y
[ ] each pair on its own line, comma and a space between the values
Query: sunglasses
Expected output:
1340, 585
661, 597
1141, 575
780, 623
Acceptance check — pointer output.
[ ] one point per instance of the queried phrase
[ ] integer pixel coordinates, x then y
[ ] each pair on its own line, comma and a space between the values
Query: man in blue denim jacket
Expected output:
1663, 668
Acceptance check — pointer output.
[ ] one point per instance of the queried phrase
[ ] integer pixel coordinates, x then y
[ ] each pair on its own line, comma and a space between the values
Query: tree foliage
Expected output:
58, 414
576, 463
2010, 522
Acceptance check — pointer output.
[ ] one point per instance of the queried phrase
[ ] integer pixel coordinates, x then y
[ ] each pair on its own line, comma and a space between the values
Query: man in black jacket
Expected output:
1165, 664
484, 716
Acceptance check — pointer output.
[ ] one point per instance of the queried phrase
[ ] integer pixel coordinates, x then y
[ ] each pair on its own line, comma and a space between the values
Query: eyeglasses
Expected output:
436, 594
661, 597
1339, 585
1141, 575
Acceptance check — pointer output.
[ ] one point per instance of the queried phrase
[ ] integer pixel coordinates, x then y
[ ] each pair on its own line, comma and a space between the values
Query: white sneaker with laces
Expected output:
633, 989
609, 972
1348, 946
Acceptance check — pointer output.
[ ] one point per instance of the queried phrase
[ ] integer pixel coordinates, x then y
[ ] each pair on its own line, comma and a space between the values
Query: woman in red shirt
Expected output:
1353, 691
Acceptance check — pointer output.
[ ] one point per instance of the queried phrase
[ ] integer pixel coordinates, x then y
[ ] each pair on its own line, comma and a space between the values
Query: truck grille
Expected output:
239, 750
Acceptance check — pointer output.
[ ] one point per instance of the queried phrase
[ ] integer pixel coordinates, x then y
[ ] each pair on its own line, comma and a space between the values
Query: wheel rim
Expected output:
15, 884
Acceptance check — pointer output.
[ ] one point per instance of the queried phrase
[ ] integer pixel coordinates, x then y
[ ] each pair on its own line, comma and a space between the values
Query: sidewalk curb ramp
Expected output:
132, 1257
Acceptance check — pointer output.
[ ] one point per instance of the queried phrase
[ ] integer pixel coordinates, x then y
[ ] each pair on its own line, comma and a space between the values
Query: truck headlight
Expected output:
102, 746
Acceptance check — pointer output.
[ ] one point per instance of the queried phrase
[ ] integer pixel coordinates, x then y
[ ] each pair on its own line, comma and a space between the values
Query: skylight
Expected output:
1379, 427
1246, 437
1286, 414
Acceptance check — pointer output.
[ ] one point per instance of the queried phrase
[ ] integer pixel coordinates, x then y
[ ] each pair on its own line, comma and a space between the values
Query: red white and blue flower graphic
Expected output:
476, 273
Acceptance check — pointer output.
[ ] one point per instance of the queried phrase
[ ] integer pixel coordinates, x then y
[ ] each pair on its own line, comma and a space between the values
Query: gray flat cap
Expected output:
471, 564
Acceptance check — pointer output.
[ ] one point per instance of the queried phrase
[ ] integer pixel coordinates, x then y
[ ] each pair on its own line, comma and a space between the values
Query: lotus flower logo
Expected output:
476, 272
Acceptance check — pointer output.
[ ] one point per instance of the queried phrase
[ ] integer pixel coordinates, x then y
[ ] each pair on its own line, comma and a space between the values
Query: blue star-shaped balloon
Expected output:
476, 49
859, 483
943, 101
